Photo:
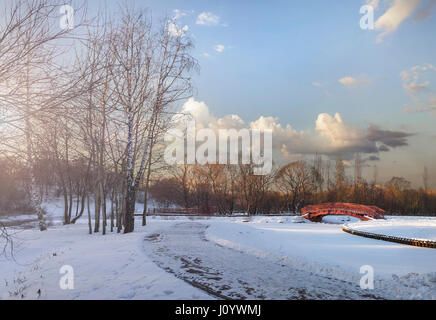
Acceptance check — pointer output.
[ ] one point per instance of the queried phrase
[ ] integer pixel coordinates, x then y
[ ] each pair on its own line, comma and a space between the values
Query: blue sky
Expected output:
285, 59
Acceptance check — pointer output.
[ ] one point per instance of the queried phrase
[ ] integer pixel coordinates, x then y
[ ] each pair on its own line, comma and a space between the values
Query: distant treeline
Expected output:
229, 189
221, 189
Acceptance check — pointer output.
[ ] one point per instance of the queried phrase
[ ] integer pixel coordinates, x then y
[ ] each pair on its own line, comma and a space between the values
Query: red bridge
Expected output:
315, 213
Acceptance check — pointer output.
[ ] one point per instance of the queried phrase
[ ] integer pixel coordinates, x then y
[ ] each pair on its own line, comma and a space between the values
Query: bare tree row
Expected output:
92, 102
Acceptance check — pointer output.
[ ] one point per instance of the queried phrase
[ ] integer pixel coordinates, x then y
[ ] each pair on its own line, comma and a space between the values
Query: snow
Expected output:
420, 228
204, 258
326, 250
182, 250
105, 267
339, 219
54, 212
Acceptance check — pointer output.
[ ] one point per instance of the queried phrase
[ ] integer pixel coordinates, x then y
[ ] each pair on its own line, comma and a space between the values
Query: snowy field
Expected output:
209, 258
420, 228
105, 267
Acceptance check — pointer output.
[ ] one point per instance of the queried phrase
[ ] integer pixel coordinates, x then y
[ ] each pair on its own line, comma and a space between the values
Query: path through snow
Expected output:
182, 249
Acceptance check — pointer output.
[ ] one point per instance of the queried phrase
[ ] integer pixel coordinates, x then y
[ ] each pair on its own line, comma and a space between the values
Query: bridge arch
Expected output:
315, 213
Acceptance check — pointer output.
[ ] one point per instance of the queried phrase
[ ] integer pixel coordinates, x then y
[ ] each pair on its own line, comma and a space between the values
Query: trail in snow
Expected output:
182, 249
105, 268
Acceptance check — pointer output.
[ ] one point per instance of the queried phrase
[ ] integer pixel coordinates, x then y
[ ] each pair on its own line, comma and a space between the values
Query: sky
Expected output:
307, 70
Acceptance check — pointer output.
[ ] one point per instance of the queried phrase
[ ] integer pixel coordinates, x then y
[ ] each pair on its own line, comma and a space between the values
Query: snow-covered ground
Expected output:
422, 228
325, 249
105, 267
54, 213
339, 219
182, 249
322, 244
257, 258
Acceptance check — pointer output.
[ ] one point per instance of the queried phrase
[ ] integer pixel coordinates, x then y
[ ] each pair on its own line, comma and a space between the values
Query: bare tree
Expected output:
295, 180
358, 170
375, 175
425, 178
150, 72
30, 78
6, 241
253, 189
339, 173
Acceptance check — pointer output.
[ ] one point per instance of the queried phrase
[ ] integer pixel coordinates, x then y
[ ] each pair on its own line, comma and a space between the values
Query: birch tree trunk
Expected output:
35, 198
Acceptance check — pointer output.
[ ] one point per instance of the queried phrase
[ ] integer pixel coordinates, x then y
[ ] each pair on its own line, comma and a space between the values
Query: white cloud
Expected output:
316, 84
175, 31
208, 19
173, 27
351, 82
220, 48
411, 78
338, 134
416, 82
199, 111
398, 11
178, 14
182, 13
330, 135
348, 82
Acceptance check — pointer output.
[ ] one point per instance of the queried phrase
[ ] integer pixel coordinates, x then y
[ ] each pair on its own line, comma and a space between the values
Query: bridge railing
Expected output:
343, 209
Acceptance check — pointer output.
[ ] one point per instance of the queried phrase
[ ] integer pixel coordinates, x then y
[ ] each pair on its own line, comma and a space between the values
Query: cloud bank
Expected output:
329, 136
